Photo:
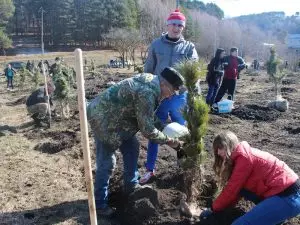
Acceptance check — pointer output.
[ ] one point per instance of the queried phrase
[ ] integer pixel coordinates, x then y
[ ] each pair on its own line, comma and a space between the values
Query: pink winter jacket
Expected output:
256, 171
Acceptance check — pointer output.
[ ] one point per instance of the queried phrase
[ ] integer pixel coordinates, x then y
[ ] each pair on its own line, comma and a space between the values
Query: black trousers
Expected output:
10, 82
228, 85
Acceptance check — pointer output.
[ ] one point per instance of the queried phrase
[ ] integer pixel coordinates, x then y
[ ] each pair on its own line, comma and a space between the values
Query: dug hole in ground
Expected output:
42, 176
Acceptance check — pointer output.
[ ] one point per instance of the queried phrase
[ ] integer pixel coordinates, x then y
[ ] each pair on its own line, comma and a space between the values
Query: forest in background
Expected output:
114, 23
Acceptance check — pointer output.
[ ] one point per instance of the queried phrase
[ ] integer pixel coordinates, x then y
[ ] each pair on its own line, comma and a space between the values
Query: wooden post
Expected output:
84, 135
46, 91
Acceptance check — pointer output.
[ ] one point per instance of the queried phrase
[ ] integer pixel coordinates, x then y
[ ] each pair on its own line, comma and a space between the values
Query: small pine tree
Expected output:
62, 88
36, 78
276, 72
85, 63
23, 73
197, 118
197, 113
92, 68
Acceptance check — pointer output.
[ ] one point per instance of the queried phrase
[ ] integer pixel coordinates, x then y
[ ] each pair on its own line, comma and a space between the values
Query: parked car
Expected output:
17, 65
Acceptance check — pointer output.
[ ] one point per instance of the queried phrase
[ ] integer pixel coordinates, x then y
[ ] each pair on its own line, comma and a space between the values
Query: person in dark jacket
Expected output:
9, 73
233, 65
214, 75
37, 104
257, 176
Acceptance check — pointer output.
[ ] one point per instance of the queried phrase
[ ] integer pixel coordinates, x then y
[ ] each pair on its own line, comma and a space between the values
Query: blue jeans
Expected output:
212, 93
172, 106
271, 211
105, 164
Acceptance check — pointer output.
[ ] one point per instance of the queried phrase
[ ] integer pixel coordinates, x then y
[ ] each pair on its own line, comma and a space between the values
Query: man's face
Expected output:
166, 91
9, 66
174, 30
235, 53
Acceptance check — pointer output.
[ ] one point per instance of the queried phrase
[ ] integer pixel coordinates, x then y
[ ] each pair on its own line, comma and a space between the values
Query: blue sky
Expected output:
244, 7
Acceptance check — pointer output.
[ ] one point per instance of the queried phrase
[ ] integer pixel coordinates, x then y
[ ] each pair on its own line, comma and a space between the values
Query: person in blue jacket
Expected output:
168, 50
9, 73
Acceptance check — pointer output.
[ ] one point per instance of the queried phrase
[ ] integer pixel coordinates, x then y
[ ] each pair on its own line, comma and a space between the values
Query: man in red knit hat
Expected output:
166, 51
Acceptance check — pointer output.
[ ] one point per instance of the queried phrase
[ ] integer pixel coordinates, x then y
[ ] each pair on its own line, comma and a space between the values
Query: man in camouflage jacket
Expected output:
116, 115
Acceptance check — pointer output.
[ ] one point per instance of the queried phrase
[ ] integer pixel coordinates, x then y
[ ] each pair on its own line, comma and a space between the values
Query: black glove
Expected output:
220, 73
205, 214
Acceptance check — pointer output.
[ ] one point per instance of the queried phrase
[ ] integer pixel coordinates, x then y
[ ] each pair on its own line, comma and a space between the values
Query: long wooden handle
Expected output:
84, 135
46, 91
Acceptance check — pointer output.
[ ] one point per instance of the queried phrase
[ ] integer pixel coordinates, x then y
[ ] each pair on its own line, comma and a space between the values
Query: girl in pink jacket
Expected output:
256, 175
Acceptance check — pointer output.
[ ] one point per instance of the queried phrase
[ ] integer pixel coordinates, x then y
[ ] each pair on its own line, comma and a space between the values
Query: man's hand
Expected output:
173, 143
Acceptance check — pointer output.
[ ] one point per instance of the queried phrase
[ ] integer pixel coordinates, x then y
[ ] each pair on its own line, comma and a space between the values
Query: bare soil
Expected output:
42, 176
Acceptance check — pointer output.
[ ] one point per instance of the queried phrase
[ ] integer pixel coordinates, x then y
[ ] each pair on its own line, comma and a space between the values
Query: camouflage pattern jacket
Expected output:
121, 111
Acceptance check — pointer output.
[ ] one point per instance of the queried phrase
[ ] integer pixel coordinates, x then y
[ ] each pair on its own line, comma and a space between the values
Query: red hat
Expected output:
176, 17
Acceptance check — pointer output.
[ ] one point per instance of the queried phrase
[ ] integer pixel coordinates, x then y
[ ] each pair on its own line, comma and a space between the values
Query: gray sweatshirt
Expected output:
164, 53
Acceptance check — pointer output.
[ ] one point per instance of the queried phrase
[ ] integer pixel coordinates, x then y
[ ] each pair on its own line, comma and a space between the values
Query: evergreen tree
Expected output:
131, 12
276, 73
214, 10
192, 30
197, 118
60, 18
6, 11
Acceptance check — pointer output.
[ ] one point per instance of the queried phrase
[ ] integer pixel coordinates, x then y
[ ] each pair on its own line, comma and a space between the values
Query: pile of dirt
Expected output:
256, 112
5, 130
61, 140
288, 81
293, 130
288, 90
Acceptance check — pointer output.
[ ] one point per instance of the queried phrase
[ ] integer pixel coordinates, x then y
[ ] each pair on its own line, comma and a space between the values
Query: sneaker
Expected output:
147, 176
136, 187
107, 211
215, 105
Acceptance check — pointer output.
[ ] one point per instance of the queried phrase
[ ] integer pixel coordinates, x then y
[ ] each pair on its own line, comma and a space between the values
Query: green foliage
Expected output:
6, 11
5, 41
273, 63
63, 78
275, 70
210, 8
276, 23
131, 14
197, 113
192, 30
23, 74
36, 78
214, 10
62, 87
92, 68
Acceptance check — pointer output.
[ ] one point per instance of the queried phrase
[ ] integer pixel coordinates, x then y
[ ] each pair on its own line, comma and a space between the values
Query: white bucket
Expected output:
225, 106
175, 130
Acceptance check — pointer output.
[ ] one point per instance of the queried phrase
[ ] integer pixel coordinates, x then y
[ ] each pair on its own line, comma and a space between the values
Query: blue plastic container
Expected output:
225, 106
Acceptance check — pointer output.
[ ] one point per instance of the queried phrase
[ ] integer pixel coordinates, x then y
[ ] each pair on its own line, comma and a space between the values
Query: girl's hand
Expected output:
206, 213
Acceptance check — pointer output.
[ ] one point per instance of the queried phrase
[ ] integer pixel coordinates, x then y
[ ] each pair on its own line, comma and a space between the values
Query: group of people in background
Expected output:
148, 101
222, 75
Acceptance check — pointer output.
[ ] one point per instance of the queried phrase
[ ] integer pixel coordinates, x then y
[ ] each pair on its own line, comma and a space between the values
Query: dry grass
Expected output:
101, 57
